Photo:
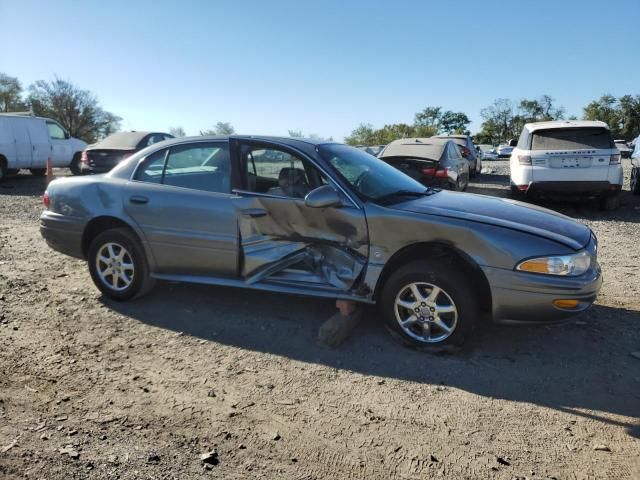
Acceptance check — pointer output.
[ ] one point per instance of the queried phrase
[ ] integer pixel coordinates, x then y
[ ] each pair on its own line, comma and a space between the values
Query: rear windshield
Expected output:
571, 138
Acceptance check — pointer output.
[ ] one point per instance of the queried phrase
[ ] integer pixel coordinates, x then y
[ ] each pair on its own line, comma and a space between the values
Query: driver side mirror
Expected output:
322, 197
67, 135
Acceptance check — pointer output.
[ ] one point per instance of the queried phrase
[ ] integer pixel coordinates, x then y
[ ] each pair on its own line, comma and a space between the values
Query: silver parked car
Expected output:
322, 219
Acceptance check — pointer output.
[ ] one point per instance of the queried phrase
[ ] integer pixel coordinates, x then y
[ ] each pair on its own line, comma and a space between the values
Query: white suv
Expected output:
567, 159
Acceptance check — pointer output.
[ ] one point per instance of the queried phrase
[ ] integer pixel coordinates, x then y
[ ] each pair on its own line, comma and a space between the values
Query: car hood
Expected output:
502, 212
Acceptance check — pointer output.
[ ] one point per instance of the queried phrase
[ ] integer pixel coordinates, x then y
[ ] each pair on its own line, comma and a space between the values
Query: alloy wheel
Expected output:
426, 312
114, 266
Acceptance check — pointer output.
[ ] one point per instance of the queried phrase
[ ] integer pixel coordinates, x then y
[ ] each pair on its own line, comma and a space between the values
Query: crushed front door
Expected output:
285, 241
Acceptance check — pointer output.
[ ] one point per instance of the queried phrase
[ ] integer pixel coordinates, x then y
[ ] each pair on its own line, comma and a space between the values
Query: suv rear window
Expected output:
571, 138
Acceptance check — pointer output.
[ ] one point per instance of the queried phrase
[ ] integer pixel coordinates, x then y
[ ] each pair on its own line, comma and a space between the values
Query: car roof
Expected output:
123, 140
453, 136
291, 141
532, 127
415, 147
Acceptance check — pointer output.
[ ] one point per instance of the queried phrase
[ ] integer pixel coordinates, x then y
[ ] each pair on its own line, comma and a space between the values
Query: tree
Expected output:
498, 119
363, 135
10, 94
429, 117
453, 122
629, 107
77, 110
220, 128
605, 110
177, 132
295, 133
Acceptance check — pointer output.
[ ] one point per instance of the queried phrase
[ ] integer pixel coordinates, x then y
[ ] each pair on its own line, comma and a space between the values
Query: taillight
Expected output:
523, 188
431, 171
524, 159
46, 200
614, 159
428, 171
84, 158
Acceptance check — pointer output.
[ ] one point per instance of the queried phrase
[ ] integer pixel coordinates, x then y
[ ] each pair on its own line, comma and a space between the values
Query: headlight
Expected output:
568, 265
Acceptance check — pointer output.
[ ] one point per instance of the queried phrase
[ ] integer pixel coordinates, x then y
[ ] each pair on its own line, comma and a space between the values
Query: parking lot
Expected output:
90, 388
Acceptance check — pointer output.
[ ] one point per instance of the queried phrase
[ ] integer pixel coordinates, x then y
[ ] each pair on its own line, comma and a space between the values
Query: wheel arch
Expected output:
440, 250
100, 224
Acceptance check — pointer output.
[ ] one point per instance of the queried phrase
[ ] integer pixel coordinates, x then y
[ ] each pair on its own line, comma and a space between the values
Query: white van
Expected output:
567, 159
27, 142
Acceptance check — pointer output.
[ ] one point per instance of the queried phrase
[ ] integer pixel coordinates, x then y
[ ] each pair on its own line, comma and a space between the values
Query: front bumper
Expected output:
529, 296
62, 233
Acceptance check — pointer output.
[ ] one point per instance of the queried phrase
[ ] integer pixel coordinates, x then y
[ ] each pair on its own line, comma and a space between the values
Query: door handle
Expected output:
254, 212
140, 200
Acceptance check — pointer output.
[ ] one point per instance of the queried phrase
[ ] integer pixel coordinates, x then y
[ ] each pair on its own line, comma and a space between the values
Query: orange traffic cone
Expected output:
49, 171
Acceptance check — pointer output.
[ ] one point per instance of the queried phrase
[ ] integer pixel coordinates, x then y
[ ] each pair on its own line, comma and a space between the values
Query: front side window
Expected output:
571, 139
55, 131
153, 138
200, 166
276, 172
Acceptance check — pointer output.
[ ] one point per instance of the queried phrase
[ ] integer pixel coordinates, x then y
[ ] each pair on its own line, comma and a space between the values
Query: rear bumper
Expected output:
561, 189
62, 233
529, 297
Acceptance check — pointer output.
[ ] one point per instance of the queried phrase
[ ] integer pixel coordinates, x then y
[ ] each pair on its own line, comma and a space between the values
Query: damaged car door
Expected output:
319, 243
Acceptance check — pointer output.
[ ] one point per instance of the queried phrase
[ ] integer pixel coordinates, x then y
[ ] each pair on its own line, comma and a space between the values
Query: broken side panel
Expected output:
284, 240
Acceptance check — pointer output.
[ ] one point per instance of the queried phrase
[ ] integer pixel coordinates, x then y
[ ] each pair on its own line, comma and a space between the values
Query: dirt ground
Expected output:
94, 389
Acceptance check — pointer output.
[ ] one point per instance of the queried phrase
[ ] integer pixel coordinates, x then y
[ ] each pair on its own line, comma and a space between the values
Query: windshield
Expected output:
369, 177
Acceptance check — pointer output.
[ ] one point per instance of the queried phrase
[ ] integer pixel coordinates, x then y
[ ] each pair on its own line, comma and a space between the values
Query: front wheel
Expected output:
429, 303
635, 180
117, 264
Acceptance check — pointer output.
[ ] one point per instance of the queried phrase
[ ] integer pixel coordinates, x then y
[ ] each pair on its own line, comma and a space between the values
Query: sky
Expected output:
321, 67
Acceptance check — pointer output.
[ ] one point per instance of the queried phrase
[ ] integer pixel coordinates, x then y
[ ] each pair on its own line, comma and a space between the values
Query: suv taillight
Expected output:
46, 200
524, 159
614, 159
84, 158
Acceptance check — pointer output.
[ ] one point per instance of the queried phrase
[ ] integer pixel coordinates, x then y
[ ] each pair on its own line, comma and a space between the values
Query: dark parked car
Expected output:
433, 162
323, 219
468, 151
106, 154
623, 148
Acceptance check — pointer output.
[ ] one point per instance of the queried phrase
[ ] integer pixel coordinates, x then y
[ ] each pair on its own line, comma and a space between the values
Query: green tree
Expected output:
453, 122
177, 132
606, 110
498, 120
295, 133
428, 117
220, 128
363, 135
629, 107
77, 110
10, 94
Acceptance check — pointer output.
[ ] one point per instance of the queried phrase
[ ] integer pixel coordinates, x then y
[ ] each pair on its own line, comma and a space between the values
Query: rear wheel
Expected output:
118, 265
610, 203
74, 166
3, 169
635, 180
429, 304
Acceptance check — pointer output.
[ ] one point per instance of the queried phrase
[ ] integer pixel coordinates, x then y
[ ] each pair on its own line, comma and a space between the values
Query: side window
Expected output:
197, 166
523, 141
153, 138
277, 172
55, 131
152, 168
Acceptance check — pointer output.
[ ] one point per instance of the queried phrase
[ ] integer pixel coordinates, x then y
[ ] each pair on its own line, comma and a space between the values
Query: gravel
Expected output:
134, 380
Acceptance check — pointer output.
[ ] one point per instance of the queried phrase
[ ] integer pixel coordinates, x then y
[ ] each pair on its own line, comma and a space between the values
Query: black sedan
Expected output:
433, 162
106, 154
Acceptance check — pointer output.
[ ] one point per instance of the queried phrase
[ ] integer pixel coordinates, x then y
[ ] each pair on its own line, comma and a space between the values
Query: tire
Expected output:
38, 172
109, 244
74, 166
455, 291
635, 180
610, 203
3, 169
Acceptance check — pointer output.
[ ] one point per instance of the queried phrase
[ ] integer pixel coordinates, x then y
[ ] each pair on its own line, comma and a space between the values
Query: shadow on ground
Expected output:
581, 364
